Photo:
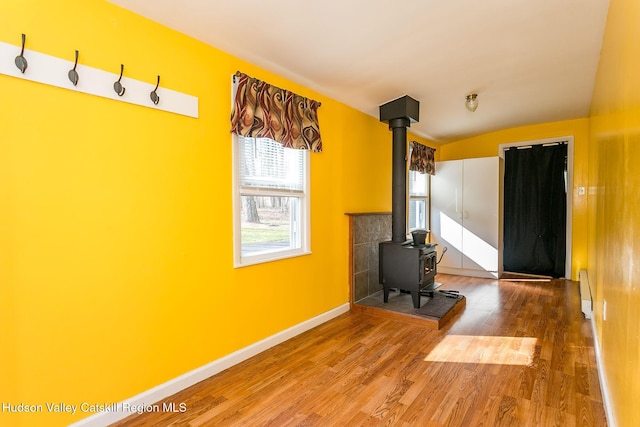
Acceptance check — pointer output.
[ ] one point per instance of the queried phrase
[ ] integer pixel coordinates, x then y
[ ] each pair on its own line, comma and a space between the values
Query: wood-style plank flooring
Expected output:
520, 354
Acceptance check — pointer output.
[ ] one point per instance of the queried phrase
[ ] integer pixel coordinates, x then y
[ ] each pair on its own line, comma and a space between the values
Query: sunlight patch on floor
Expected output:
484, 349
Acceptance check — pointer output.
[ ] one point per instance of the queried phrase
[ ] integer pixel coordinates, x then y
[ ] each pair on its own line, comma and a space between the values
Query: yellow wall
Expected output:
116, 264
487, 145
614, 209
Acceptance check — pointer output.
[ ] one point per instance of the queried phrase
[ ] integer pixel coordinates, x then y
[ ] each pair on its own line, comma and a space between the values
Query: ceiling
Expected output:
529, 61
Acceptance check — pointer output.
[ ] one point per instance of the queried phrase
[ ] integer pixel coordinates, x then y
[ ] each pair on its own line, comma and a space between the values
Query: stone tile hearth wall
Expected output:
368, 230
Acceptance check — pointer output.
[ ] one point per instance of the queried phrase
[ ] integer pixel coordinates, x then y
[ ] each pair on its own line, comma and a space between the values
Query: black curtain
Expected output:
535, 210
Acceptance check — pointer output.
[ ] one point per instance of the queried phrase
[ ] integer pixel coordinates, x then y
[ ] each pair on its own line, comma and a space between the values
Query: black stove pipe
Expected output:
398, 128
399, 114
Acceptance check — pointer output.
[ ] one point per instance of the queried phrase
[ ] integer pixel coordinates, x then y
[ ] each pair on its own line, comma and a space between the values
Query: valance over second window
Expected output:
422, 158
264, 111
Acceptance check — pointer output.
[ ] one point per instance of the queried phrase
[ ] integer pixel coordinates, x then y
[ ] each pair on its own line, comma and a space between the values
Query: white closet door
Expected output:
480, 214
446, 212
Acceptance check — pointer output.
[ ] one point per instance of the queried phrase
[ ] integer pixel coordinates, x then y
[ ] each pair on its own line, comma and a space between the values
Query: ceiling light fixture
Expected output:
472, 102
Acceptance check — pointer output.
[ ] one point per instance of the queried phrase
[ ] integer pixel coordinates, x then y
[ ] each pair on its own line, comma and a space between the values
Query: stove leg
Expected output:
415, 295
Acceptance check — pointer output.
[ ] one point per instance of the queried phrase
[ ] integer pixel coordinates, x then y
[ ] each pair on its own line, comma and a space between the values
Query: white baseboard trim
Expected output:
148, 398
585, 294
604, 387
468, 272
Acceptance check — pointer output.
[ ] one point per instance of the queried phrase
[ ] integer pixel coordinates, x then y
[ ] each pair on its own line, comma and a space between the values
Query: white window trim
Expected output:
305, 228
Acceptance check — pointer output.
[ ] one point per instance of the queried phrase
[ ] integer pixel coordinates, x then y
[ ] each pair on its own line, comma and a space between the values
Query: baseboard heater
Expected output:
585, 294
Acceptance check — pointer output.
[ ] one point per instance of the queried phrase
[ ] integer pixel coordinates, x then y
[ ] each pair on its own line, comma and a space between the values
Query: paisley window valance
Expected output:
261, 110
422, 158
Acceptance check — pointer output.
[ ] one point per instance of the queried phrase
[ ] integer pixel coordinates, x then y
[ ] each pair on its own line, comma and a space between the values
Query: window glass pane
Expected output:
271, 214
417, 183
269, 224
266, 164
417, 214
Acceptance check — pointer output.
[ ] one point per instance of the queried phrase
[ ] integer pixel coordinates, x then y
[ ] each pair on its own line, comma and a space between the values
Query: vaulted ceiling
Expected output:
529, 61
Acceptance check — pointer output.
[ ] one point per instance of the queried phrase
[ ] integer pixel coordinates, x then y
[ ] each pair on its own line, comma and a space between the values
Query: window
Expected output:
418, 200
271, 201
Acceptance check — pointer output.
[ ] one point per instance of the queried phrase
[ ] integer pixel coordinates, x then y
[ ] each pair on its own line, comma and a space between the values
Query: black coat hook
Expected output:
117, 86
73, 74
154, 95
21, 61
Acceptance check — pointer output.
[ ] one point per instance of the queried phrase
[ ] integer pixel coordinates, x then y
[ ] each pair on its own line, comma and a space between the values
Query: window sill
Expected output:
269, 257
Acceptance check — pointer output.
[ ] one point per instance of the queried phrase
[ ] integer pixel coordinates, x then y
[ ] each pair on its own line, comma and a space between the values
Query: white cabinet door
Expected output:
480, 214
446, 212
465, 216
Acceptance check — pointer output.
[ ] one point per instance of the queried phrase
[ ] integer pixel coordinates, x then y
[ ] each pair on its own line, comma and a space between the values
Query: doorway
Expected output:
537, 207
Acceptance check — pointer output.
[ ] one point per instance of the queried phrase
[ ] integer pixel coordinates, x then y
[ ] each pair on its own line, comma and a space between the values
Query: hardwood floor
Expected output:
520, 354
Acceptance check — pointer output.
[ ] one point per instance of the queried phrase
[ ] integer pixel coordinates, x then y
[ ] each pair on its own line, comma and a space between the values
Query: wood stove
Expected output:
403, 264
408, 267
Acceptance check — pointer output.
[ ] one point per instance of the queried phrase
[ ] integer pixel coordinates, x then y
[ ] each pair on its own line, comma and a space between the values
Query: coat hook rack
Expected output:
73, 74
117, 86
154, 95
21, 61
